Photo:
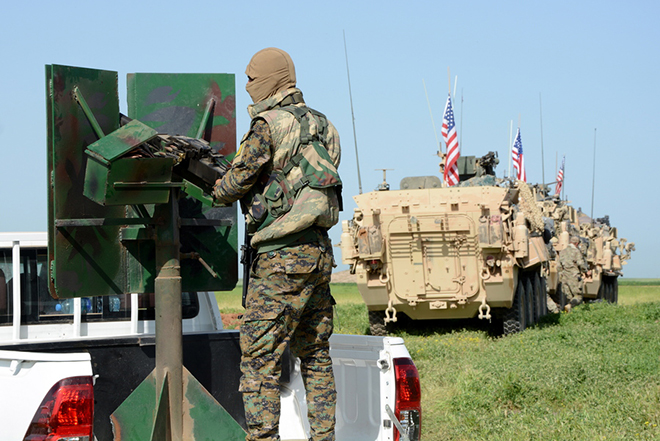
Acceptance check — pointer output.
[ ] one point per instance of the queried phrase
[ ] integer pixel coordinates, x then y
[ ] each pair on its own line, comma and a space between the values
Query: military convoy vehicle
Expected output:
604, 252
433, 252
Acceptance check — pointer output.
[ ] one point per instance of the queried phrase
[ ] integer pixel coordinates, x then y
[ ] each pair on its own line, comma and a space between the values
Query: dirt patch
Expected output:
231, 321
343, 277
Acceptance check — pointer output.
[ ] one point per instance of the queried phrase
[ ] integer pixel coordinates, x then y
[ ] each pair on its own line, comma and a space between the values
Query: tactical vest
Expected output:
304, 188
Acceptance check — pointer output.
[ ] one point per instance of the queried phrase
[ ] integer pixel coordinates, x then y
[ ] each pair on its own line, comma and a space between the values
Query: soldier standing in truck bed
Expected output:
290, 199
571, 266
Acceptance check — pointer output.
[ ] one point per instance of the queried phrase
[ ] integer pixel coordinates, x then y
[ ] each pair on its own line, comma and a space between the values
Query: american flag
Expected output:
560, 176
451, 140
518, 159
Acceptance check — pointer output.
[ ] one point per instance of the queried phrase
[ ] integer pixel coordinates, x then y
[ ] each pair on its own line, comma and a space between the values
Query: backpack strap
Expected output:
300, 114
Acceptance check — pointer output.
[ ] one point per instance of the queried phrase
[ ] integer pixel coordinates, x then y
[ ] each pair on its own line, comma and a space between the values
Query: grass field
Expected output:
593, 374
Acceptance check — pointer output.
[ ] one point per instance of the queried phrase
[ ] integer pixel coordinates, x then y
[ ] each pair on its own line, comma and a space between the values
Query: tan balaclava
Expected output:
270, 70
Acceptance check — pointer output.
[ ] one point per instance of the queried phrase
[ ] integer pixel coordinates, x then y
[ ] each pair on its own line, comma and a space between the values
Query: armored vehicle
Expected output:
604, 252
433, 252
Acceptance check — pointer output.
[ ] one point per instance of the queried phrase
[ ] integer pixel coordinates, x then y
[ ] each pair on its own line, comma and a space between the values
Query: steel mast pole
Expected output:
169, 346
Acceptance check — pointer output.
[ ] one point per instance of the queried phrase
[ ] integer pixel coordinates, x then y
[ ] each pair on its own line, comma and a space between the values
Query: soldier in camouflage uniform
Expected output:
288, 300
571, 265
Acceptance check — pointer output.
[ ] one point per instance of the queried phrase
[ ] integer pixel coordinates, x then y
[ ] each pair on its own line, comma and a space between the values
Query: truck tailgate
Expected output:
25, 378
365, 384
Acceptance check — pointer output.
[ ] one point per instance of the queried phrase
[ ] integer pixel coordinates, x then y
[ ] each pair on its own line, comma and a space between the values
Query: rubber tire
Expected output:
544, 291
377, 326
601, 290
541, 301
514, 318
610, 285
531, 301
615, 296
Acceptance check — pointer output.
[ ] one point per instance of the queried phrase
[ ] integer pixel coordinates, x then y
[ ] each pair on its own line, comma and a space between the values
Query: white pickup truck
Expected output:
66, 365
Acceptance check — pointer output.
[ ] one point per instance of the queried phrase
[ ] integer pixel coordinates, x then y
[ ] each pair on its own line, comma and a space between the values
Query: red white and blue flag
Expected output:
518, 159
451, 140
560, 176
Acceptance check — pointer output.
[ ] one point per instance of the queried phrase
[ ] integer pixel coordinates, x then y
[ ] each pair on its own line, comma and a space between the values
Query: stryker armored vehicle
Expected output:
604, 252
433, 252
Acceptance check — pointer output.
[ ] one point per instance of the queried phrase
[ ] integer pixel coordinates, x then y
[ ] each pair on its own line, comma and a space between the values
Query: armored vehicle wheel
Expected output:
610, 287
616, 290
539, 291
529, 301
605, 288
535, 303
601, 292
544, 294
514, 318
377, 326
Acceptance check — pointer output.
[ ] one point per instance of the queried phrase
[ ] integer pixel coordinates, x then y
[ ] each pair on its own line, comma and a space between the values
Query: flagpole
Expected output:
563, 185
542, 159
444, 173
510, 147
556, 172
450, 138
593, 182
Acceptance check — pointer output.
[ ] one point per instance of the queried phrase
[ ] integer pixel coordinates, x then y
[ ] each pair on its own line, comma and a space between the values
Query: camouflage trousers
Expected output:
552, 306
573, 292
289, 303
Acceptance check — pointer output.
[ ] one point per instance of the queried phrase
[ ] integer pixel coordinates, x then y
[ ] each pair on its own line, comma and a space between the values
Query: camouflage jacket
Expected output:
571, 263
267, 147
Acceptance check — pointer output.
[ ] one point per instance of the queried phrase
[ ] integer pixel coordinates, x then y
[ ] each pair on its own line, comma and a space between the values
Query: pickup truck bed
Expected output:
120, 364
46, 342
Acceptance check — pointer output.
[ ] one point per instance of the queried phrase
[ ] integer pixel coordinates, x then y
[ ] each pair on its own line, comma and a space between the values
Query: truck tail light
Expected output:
408, 401
66, 412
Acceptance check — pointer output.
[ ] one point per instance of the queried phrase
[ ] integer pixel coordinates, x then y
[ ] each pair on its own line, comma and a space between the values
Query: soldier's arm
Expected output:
253, 155
583, 264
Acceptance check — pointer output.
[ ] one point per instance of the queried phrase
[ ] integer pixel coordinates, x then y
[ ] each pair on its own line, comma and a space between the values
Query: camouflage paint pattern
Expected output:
312, 206
104, 250
176, 104
252, 159
571, 266
204, 418
289, 302
84, 260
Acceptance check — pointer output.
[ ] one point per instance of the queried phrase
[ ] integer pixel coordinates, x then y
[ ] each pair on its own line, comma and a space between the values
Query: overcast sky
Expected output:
589, 66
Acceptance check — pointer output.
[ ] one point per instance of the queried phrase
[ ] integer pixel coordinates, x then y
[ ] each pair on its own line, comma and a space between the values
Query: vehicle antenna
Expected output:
435, 132
509, 147
448, 80
563, 188
350, 94
460, 142
593, 182
556, 170
542, 158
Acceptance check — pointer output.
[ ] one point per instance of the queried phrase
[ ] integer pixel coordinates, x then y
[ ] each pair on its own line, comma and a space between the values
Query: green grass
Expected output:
638, 282
593, 374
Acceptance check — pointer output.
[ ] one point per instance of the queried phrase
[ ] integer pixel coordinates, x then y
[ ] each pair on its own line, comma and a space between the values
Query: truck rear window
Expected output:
37, 306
